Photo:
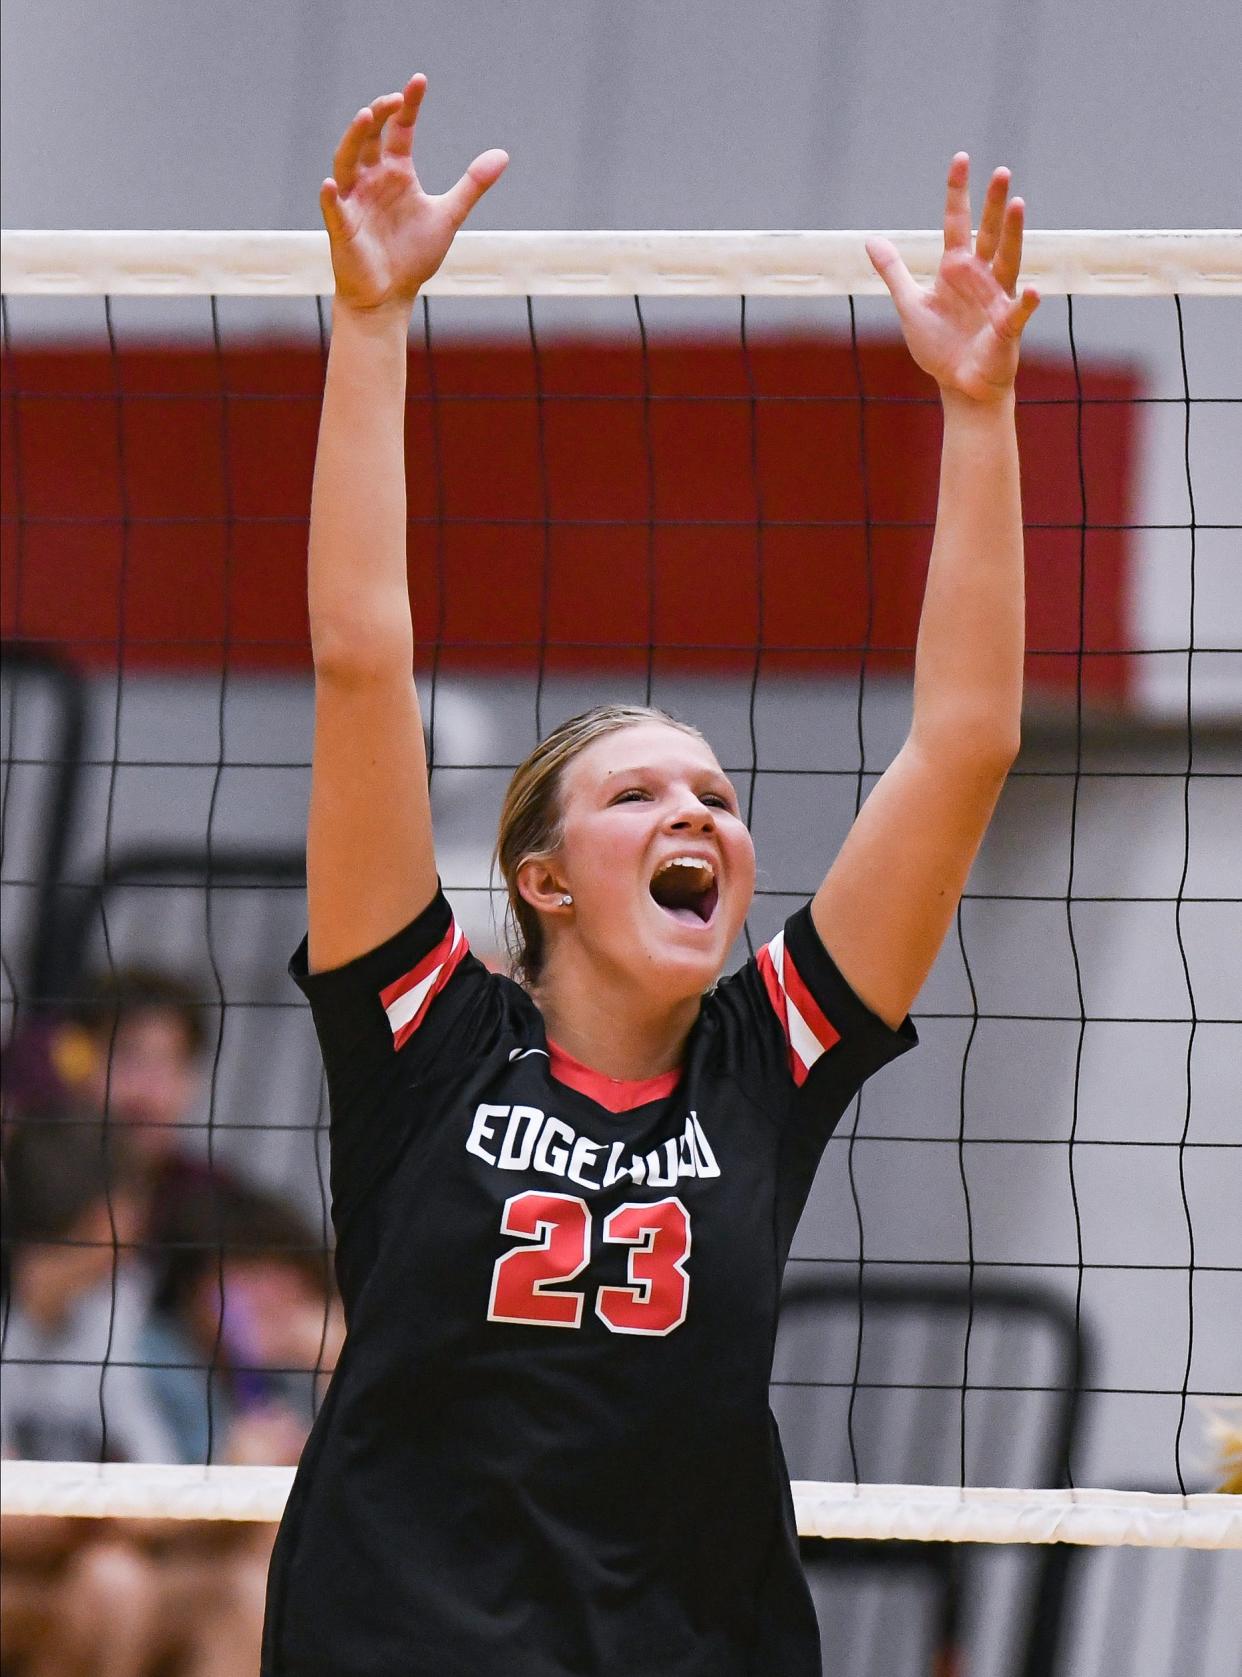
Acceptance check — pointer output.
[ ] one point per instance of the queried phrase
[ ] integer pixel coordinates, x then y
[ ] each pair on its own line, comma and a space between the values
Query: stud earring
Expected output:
566, 900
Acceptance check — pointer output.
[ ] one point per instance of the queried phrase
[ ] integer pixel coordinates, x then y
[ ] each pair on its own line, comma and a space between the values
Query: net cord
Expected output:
605, 264
905, 1513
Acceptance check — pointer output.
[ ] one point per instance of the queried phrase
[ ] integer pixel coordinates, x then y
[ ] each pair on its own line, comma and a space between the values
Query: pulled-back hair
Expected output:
530, 818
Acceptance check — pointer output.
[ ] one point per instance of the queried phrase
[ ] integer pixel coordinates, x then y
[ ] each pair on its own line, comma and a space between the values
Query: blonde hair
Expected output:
1226, 1433
530, 817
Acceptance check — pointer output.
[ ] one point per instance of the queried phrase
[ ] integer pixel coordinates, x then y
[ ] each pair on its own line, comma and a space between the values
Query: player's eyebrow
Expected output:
646, 770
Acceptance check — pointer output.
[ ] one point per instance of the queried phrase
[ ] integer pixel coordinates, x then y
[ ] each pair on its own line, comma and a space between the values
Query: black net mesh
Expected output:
1020, 1262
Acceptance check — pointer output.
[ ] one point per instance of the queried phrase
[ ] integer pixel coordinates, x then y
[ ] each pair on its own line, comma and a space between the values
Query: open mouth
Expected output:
685, 887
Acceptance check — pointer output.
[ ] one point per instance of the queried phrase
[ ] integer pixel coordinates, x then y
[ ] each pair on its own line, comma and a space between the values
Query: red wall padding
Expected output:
154, 505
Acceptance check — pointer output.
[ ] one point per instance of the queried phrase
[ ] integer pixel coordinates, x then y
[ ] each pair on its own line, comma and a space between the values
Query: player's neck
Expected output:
611, 1025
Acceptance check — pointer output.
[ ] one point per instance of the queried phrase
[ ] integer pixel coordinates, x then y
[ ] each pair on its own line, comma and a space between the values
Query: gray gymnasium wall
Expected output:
651, 113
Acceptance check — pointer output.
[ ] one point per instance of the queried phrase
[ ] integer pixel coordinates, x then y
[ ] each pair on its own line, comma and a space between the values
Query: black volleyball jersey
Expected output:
547, 1449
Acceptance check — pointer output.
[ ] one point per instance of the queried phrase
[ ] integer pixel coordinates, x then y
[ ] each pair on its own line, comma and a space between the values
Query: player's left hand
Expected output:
965, 331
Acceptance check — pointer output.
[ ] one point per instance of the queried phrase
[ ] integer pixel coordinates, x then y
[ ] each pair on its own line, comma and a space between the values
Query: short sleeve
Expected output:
832, 1040
797, 1033
803, 1043
389, 1023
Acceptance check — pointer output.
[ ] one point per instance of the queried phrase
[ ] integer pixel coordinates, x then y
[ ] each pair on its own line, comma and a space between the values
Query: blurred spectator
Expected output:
128, 1598
78, 1298
134, 1045
132, 1041
247, 1328
77, 1599
235, 1282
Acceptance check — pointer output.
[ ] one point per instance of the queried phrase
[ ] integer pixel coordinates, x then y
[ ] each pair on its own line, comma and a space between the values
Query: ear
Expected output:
540, 884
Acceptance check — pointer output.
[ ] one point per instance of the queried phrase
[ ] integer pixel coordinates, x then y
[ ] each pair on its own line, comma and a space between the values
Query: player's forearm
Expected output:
969, 659
358, 594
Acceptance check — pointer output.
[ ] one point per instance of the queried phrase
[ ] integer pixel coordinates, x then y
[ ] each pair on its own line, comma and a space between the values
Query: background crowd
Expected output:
157, 1307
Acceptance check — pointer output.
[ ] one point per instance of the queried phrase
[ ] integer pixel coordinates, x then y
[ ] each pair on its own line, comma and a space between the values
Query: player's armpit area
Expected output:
889, 898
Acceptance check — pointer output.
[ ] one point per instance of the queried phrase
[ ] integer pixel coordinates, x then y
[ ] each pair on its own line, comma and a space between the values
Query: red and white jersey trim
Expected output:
407, 999
806, 1027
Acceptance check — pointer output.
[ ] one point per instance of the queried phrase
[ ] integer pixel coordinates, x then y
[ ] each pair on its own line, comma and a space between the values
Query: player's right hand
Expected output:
387, 235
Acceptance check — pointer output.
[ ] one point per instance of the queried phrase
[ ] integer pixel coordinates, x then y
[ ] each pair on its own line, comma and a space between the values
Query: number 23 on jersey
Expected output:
558, 1227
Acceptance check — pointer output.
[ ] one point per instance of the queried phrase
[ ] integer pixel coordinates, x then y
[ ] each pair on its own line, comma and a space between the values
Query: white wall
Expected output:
656, 113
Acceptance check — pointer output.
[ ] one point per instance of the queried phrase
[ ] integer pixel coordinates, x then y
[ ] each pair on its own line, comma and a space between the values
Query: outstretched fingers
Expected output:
485, 171
330, 208
1018, 313
399, 134
992, 216
381, 109
957, 204
386, 125
1008, 260
902, 285
345, 159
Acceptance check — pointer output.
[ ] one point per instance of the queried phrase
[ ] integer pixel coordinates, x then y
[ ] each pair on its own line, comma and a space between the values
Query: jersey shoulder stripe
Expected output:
405, 1001
807, 1029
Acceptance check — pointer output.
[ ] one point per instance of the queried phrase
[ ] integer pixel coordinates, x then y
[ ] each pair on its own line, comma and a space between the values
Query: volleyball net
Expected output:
697, 469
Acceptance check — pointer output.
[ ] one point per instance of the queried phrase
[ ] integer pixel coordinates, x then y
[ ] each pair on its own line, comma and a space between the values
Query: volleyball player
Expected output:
563, 1205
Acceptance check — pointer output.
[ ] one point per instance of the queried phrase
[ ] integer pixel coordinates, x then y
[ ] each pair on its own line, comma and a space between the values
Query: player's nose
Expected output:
689, 815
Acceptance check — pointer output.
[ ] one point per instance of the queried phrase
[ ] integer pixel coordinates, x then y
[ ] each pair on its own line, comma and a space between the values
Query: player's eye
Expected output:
631, 795
714, 799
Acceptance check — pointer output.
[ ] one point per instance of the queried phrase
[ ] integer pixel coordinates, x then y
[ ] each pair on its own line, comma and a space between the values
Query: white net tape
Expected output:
938, 1514
598, 264
909, 1513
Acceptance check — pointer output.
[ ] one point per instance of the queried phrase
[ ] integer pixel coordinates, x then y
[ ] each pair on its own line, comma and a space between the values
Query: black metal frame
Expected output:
1189, 1606
42, 957
944, 1563
169, 864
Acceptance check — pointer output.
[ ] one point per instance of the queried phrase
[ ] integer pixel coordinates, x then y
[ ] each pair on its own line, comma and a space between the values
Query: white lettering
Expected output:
612, 1171
583, 1156
686, 1162
533, 1140
668, 1177
707, 1159
481, 1131
549, 1158
524, 1125
615, 1171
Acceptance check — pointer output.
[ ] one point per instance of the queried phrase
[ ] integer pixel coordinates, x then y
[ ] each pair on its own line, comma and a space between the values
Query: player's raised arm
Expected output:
370, 864
890, 896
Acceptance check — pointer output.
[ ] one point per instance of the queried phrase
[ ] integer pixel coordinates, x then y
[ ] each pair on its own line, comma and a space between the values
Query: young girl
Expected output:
563, 1206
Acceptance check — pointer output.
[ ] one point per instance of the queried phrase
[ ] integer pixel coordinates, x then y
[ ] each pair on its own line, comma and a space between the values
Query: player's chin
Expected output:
689, 949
